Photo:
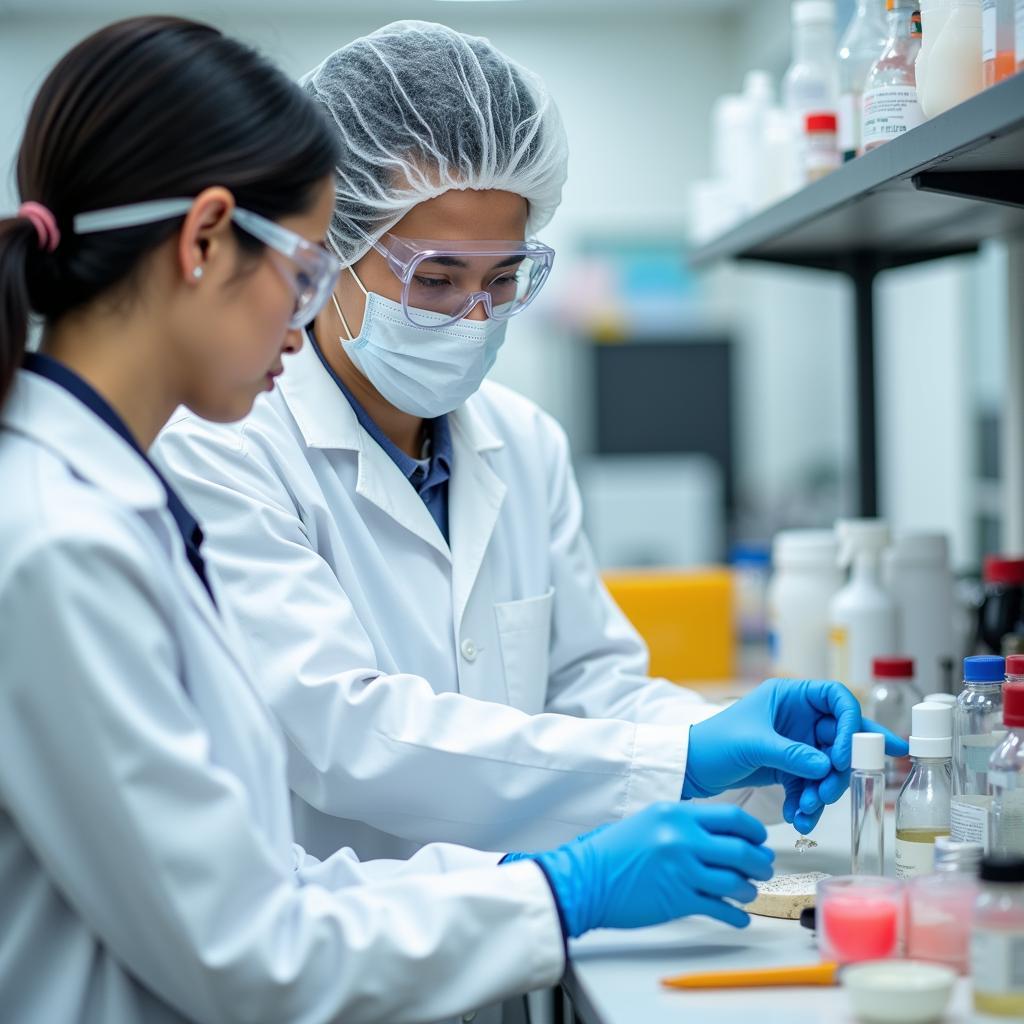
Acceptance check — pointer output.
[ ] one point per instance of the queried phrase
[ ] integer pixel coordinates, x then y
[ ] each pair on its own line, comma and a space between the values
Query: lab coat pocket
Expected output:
524, 629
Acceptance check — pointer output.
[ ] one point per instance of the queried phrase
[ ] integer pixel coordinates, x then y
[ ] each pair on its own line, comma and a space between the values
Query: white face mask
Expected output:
422, 371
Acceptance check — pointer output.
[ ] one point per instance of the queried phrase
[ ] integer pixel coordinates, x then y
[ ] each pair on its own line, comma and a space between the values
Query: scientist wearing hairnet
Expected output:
402, 538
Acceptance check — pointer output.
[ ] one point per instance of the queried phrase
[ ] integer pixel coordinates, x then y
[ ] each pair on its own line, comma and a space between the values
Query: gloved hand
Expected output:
668, 861
797, 732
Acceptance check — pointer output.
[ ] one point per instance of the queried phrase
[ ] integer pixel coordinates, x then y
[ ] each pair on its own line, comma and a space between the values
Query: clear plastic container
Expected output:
999, 59
821, 148
891, 106
860, 47
892, 697
1006, 776
997, 939
977, 731
954, 66
939, 909
867, 804
922, 808
860, 917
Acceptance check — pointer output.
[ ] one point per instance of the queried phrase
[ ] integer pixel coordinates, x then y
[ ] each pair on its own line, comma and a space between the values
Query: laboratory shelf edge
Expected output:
940, 190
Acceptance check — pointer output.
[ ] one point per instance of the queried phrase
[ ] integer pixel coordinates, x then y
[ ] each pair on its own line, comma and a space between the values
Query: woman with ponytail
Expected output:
176, 191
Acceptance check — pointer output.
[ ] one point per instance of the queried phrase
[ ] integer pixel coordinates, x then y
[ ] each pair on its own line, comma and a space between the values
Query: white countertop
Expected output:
614, 976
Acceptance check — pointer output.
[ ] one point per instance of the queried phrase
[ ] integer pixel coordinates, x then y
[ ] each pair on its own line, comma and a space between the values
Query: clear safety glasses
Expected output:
450, 278
312, 277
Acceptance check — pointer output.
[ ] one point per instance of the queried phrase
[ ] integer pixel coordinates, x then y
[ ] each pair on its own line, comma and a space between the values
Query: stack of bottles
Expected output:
958, 895
898, 63
874, 612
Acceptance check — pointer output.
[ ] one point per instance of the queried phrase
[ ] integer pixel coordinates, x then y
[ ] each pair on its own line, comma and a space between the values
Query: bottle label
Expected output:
914, 859
849, 122
968, 822
890, 111
916, 26
997, 961
989, 28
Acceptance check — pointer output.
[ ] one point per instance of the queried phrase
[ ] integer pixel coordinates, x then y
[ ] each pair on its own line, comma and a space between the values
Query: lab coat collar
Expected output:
46, 412
326, 422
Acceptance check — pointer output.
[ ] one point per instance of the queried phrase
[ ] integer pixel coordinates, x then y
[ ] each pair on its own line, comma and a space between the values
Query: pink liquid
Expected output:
860, 928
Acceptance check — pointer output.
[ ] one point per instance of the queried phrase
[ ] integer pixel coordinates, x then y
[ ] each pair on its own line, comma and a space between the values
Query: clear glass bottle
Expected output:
1006, 777
811, 82
997, 939
922, 808
997, 40
867, 804
891, 106
892, 696
977, 731
861, 45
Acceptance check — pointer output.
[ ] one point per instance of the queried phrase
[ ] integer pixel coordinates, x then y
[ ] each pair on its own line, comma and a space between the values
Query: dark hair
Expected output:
147, 108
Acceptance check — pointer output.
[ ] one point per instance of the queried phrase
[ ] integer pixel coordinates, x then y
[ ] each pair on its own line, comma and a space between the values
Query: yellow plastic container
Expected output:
686, 618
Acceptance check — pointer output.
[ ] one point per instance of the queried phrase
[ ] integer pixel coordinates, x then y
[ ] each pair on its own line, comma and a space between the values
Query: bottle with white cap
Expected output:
922, 808
867, 803
862, 616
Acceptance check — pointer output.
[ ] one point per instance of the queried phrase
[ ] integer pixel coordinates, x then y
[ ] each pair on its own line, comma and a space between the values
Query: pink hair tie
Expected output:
44, 222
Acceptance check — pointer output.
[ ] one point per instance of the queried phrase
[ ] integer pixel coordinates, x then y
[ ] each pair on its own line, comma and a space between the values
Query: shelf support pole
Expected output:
862, 271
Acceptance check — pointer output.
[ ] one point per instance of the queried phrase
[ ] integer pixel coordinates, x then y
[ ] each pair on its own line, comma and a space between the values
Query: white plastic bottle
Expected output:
805, 578
955, 65
811, 83
934, 15
862, 616
861, 45
916, 573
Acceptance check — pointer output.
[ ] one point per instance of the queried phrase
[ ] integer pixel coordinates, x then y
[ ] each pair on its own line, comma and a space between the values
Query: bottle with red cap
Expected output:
890, 702
1002, 603
821, 146
1006, 768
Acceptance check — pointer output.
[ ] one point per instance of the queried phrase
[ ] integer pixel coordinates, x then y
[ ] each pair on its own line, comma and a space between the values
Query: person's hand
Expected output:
796, 732
670, 860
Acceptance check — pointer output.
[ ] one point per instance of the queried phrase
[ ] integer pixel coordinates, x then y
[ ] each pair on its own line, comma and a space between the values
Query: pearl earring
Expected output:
197, 273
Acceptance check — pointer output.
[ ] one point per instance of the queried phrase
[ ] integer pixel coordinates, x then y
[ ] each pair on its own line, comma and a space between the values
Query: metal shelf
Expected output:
940, 190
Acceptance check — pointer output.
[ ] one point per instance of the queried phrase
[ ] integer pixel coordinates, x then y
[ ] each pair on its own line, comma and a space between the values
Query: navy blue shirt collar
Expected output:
191, 534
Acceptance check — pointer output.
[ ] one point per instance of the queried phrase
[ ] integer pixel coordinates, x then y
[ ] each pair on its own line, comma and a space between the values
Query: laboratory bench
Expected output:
614, 977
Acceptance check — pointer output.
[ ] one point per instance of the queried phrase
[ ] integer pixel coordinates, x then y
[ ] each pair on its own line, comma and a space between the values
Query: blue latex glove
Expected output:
796, 732
670, 860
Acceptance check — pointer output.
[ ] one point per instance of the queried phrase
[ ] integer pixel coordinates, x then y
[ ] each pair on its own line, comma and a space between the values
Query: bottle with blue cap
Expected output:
977, 731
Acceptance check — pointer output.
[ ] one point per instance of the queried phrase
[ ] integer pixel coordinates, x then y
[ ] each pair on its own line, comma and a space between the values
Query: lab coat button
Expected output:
469, 650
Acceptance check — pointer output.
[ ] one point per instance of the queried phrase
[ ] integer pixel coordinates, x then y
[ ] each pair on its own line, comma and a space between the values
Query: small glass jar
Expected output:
821, 146
997, 939
860, 917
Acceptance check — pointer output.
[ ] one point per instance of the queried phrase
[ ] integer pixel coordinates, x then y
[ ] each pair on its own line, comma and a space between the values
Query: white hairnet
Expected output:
421, 109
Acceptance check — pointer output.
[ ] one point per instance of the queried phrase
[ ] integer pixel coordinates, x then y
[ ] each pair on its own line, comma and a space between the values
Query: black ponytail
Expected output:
147, 108
18, 239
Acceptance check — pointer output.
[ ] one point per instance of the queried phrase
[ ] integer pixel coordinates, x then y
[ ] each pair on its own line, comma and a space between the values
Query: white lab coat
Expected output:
147, 869
490, 693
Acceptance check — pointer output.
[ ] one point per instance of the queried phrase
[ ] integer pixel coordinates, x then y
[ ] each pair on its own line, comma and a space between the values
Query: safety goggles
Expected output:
446, 277
312, 277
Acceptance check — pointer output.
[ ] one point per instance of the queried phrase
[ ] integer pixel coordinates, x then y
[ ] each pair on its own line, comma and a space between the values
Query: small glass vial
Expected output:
867, 804
997, 40
821, 146
1006, 777
977, 731
997, 939
891, 106
892, 697
922, 808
